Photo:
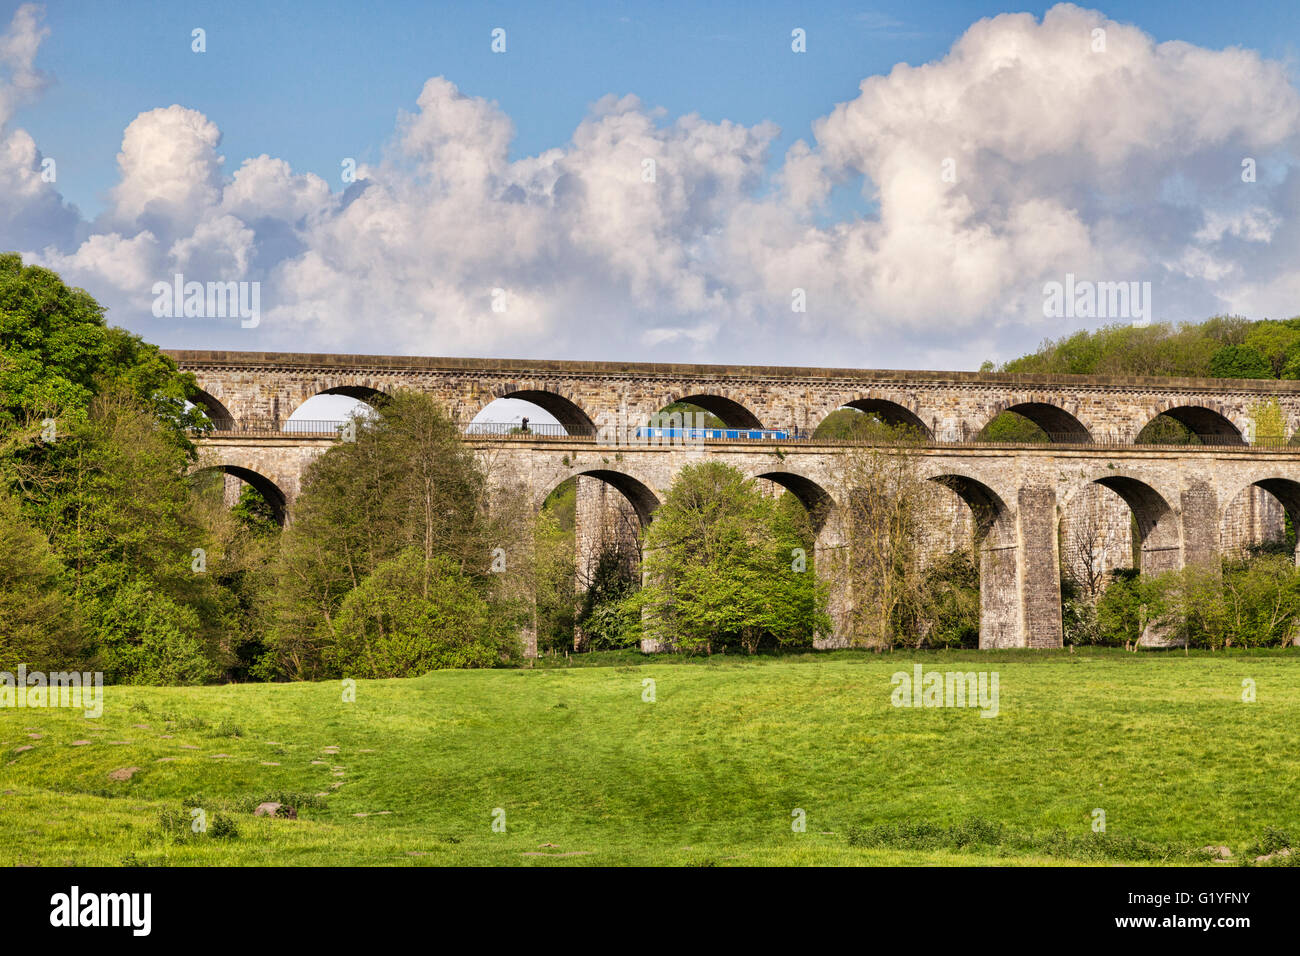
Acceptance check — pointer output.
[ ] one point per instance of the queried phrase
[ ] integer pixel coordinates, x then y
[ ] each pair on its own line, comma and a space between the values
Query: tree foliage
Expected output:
407, 484
721, 567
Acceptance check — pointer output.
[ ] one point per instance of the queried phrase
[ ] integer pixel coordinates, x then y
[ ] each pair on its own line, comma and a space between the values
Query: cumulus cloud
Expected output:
30, 207
1022, 154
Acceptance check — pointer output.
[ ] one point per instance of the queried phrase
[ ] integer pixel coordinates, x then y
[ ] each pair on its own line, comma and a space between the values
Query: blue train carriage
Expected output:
733, 434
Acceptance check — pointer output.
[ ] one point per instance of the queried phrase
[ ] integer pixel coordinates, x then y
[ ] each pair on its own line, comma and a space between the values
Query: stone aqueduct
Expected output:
1190, 503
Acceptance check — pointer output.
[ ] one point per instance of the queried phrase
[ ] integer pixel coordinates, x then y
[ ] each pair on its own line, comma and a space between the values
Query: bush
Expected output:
950, 606
412, 616
148, 638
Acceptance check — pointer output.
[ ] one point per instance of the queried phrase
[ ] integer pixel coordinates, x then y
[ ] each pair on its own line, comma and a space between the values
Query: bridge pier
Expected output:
1039, 575
1200, 514
829, 555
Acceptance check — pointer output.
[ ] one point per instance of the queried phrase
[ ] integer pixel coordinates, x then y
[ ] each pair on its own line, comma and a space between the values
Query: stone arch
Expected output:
370, 394
1210, 422
732, 413
989, 511
606, 525
892, 411
362, 393
213, 408
1248, 519
1096, 537
1159, 537
828, 548
996, 544
817, 501
1059, 423
640, 495
264, 486
557, 404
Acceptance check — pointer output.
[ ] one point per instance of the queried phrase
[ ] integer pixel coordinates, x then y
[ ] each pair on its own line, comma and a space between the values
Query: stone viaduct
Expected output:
1022, 505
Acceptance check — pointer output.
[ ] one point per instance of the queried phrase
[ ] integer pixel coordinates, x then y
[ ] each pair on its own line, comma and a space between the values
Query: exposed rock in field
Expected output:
189, 747
123, 773
269, 763
19, 750
1218, 852
79, 743
165, 759
35, 736
217, 756
1271, 856
570, 853
281, 810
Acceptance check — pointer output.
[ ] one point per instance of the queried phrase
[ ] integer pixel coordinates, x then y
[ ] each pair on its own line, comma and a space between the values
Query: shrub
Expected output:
412, 616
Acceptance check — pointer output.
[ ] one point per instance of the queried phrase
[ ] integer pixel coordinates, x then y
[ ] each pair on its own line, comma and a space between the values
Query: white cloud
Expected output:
1122, 165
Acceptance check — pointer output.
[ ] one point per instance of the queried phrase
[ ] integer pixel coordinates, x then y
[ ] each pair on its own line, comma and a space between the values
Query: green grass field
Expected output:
587, 772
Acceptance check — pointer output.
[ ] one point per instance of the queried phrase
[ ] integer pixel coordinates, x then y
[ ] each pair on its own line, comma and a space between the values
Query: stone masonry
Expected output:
1189, 503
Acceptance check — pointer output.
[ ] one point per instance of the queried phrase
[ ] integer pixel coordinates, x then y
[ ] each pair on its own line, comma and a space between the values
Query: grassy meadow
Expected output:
709, 773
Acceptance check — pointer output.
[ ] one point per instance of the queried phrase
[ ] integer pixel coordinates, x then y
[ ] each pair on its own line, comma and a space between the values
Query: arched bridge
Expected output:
1092, 497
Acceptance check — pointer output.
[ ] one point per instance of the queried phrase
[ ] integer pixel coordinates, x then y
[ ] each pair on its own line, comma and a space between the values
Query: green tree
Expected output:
606, 616
408, 482
852, 424
415, 614
39, 624
147, 637
1013, 427
949, 609
1261, 597
721, 567
886, 507
57, 352
113, 498
555, 574
1239, 361
1275, 342
1122, 608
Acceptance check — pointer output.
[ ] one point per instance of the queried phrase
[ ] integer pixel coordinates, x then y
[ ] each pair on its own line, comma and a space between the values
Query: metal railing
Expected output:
516, 431
531, 430
254, 426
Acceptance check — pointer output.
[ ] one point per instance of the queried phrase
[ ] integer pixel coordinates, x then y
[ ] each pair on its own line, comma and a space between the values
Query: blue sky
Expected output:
778, 171
315, 82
